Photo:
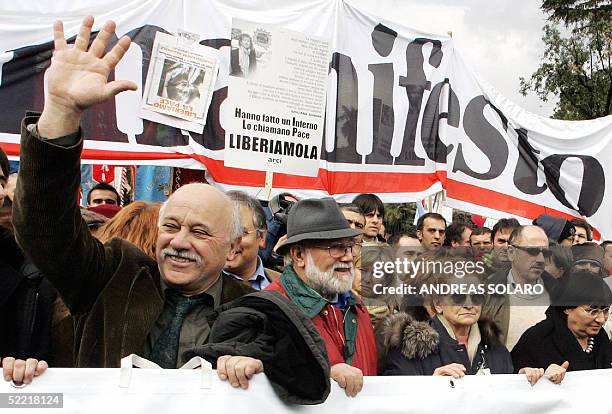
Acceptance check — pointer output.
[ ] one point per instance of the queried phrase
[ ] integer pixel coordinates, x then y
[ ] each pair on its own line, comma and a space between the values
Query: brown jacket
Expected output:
113, 290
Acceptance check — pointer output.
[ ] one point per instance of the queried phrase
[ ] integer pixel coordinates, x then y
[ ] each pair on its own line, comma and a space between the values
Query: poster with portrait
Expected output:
180, 82
276, 98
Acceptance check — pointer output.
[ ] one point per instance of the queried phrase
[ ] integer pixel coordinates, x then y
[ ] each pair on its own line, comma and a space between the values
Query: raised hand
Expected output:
78, 78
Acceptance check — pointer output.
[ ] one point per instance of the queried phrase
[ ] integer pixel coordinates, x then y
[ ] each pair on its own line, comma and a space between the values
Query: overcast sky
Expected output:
500, 40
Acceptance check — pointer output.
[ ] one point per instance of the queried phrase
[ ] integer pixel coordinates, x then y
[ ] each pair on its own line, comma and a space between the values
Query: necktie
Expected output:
165, 350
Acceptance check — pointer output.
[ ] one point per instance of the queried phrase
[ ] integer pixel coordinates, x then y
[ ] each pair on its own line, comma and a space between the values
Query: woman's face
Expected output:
460, 309
585, 321
245, 42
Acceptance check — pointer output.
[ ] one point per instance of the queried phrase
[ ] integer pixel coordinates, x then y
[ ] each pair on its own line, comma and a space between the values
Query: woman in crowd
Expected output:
380, 303
136, 223
456, 341
572, 330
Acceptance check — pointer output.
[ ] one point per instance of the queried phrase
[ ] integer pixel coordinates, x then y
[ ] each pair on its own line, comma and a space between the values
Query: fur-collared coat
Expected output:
410, 347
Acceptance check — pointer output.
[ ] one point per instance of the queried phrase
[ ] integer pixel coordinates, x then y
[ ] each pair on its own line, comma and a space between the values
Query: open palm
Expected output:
77, 77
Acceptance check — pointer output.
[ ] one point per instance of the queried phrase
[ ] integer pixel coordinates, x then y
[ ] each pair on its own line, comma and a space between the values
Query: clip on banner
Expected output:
129, 362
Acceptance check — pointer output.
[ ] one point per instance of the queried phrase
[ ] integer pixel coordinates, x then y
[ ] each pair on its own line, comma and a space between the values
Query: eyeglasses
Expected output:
337, 250
594, 312
534, 251
460, 299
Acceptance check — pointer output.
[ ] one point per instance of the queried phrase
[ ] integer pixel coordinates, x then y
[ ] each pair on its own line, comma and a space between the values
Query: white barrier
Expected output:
180, 391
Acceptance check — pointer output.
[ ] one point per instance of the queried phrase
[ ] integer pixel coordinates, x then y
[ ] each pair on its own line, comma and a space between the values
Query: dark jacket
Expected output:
497, 307
26, 304
267, 326
409, 347
551, 342
112, 290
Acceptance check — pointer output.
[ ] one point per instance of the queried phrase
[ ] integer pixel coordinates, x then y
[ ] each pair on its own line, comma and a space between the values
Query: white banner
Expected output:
405, 117
92, 391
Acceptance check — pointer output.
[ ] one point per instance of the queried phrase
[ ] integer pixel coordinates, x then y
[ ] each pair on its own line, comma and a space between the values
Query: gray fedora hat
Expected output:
316, 219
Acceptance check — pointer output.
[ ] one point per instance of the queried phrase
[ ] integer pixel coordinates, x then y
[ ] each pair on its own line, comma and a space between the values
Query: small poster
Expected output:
180, 82
276, 98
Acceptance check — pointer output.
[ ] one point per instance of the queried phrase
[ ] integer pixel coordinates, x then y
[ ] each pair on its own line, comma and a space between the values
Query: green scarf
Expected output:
312, 304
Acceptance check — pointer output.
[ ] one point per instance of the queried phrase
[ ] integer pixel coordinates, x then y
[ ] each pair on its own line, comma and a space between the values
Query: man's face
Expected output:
528, 255
481, 244
581, 235
373, 223
324, 269
465, 238
244, 259
432, 235
194, 238
500, 245
408, 248
357, 222
98, 197
608, 259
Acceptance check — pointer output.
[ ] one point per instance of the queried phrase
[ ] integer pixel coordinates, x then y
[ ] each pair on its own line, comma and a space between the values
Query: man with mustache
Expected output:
318, 276
122, 300
521, 307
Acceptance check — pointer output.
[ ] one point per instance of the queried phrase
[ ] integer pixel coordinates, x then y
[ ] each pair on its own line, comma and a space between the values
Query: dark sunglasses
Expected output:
460, 299
534, 251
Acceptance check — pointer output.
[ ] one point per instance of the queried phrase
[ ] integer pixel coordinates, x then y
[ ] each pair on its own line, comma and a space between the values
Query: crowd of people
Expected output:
189, 277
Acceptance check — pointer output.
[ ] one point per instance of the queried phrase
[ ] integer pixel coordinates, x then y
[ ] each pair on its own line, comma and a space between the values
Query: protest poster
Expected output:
276, 99
180, 82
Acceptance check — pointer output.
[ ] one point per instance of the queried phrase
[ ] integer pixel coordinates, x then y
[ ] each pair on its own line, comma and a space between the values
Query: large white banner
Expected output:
92, 391
405, 117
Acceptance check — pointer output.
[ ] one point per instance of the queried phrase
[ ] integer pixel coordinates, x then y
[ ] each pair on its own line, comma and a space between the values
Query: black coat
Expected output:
418, 348
26, 304
551, 342
267, 326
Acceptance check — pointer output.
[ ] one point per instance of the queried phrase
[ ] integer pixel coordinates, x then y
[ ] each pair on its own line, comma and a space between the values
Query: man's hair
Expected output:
434, 216
240, 198
354, 208
4, 163
103, 186
504, 223
562, 256
605, 244
369, 203
581, 223
454, 232
411, 232
479, 231
136, 223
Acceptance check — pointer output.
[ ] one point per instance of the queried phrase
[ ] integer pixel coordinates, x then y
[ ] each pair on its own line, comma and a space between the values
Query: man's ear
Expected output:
233, 247
419, 234
262, 238
298, 255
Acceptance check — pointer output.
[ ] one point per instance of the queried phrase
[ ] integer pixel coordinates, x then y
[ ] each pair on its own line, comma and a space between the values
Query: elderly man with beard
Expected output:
317, 277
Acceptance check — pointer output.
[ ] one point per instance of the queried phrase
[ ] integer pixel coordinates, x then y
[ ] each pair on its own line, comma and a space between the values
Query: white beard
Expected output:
326, 283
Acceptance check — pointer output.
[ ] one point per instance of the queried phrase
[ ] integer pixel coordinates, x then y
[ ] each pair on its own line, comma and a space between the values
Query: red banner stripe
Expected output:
503, 202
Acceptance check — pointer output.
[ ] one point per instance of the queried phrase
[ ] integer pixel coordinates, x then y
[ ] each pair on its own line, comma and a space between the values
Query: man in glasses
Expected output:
244, 264
318, 276
521, 294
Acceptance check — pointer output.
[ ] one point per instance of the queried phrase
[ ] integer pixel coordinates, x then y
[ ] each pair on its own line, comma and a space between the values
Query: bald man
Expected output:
123, 301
